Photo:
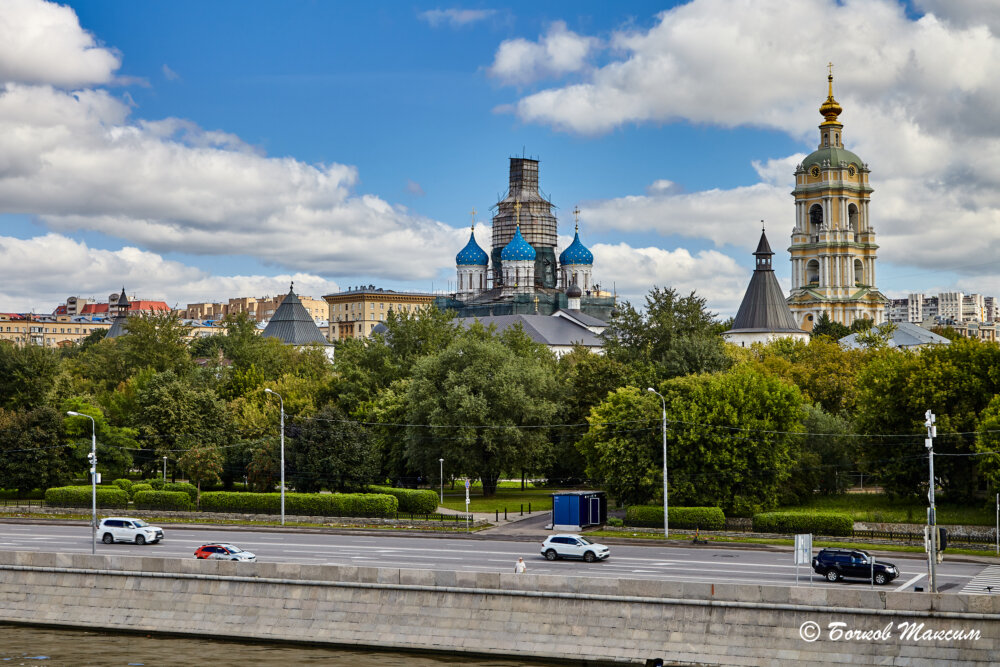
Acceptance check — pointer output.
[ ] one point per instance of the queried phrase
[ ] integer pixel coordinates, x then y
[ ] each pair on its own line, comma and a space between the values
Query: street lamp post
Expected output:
666, 519
93, 479
441, 475
164, 469
282, 403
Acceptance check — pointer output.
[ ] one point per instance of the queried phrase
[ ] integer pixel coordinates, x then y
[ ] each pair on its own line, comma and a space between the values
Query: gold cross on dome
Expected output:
576, 217
473, 214
829, 66
517, 211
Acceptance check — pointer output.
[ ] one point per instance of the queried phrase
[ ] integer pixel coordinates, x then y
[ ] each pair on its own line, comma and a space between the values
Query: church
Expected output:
833, 243
833, 248
521, 274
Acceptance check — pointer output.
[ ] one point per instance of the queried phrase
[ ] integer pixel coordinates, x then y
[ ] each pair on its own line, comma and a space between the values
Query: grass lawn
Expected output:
509, 495
877, 508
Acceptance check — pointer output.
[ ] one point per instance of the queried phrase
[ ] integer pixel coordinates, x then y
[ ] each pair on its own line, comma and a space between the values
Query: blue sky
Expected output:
201, 151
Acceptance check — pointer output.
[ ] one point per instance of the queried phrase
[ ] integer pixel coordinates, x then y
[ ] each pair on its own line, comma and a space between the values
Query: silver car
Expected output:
573, 546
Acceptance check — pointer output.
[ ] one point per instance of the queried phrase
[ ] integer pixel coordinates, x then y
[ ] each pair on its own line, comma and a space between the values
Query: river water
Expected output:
47, 647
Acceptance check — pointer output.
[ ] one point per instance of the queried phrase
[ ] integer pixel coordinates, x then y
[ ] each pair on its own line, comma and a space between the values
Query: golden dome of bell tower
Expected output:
833, 242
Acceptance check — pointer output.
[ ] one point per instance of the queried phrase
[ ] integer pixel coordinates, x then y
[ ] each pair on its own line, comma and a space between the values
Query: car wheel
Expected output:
589, 557
108, 538
139, 539
880, 579
551, 554
832, 575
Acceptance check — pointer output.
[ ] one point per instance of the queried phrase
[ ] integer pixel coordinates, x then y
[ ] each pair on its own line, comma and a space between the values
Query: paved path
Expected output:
989, 578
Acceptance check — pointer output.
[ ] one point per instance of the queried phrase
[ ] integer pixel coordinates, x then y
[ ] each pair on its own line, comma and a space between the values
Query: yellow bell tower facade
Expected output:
833, 244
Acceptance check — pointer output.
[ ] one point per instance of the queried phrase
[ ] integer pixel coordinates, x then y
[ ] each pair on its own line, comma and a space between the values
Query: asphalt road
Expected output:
478, 555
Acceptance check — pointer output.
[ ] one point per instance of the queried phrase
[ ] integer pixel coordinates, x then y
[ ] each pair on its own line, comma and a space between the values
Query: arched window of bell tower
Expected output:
826, 139
815, 219
812, 272
859, 272
852, 220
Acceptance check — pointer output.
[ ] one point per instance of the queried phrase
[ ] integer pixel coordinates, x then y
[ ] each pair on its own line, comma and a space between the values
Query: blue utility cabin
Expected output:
572, 510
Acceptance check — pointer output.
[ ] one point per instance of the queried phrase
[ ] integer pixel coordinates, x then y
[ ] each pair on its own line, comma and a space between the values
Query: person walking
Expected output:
520, 567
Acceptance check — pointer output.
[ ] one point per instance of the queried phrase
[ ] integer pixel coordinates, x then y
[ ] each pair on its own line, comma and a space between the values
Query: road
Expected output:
699, 564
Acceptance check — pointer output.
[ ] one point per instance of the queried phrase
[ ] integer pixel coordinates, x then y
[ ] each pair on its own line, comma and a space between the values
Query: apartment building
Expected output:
48, 330
355, 311
258, 308
948, 306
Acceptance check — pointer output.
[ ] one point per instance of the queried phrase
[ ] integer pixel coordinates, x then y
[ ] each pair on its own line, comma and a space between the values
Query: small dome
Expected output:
472, 254
517, 249
831, 156
576, 253
574, 292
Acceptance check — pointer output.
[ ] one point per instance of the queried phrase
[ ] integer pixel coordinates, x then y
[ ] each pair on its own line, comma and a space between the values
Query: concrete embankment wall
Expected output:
571, 618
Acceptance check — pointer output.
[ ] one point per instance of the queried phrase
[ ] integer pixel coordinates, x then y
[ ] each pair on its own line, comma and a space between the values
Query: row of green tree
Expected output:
746, 428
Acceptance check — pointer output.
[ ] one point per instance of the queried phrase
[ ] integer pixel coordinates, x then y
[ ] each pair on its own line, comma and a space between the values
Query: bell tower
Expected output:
833, 243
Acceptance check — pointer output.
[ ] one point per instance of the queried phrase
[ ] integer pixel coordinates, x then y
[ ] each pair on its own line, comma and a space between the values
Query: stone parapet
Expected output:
581, 619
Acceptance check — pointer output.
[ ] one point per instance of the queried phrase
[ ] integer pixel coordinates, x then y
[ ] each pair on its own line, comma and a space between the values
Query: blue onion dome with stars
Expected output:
517, 249
472, 254
576, 253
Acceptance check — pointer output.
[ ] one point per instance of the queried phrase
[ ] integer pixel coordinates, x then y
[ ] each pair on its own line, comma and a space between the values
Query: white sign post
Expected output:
803, 553
466, 505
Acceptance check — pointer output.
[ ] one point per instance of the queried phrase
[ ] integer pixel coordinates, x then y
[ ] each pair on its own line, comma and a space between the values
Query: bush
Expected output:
417, 501
136, 488
615, 521
157, 483
108, 497
185, 487
14, 494
163, 500
792, 523
125, 485
303, 504
651, 516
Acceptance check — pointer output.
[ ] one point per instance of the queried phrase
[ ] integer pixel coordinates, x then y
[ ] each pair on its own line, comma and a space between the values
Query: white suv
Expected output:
121, 529
573, 546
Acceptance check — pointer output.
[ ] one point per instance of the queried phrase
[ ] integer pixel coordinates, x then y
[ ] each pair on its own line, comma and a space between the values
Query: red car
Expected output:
223, 552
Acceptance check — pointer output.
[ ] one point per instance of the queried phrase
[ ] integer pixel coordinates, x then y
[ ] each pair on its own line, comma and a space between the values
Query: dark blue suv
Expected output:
836, 563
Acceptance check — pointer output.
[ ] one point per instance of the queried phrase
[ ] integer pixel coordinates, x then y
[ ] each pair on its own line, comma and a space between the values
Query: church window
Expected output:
852, 220
460, 282
859, 272
815, 218
826, 139
812, 272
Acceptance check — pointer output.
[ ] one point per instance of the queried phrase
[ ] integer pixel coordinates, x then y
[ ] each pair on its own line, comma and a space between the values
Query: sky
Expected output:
199, 151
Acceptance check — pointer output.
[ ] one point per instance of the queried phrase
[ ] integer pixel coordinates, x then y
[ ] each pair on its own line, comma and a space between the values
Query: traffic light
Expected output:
942, 541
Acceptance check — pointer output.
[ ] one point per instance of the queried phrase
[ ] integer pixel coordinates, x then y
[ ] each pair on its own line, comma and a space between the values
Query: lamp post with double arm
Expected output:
92, 457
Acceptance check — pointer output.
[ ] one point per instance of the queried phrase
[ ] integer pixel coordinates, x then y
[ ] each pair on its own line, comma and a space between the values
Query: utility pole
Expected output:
931, 513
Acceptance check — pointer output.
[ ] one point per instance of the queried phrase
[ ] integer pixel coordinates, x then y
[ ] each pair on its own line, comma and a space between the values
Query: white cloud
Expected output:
631, 272
78, 161
921, 107
74, 269
557, 52
455, 18
170, 74
43, 43
414, 188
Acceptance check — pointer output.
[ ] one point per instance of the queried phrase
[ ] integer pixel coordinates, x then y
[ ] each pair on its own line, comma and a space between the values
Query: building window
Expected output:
815, 218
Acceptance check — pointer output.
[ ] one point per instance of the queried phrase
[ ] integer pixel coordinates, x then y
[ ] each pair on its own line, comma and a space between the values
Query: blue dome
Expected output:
517, 249
576, 253
472, 254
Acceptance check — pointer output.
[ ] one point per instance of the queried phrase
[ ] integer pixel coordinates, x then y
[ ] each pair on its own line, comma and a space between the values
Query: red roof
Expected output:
137, 306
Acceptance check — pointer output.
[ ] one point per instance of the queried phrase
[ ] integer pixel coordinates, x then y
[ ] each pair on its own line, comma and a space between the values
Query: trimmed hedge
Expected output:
651, 516
141, 486
185, 487
417, 501
108, 497
162, 500
302, 504
125, 485
791, 523
157, 483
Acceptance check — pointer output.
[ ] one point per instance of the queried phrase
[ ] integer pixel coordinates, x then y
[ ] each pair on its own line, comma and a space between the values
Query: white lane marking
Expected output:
911, 582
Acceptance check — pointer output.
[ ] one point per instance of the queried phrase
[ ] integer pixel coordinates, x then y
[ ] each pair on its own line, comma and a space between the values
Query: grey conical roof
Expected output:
292, 324
120, 316
764, 307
